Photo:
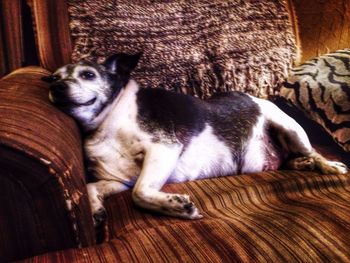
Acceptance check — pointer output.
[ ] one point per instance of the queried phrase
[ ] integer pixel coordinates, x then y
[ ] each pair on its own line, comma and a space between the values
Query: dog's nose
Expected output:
59, 87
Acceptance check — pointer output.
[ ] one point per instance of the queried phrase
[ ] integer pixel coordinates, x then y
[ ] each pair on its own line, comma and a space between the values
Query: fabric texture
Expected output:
194, 47
43, 189
321, 88
267, 217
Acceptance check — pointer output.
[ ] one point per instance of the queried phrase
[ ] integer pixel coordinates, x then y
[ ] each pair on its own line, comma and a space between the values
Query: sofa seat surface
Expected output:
282, 216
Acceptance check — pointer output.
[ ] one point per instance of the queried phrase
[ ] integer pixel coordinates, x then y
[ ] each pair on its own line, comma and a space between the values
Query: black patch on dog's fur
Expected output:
177, 116
232, 116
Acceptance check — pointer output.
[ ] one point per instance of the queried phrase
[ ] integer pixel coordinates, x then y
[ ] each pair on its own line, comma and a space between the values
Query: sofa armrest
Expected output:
42, 184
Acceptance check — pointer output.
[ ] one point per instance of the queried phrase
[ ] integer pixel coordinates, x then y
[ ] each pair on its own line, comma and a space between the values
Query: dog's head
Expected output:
83, 89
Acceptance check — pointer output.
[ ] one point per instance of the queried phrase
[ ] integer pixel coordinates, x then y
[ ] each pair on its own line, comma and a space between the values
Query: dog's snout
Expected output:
59, 87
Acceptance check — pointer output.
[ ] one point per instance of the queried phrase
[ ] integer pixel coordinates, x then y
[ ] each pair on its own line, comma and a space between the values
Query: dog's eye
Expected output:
87, 75
51, 78
56, 77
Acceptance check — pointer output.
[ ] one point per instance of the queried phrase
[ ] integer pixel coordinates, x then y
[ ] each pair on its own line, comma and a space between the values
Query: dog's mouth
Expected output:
65, 103
88, 103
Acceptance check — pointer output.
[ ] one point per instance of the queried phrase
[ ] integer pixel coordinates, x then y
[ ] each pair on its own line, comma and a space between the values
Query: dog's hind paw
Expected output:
332, 167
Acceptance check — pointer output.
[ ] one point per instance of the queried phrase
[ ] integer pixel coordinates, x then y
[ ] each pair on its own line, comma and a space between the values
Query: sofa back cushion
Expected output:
194, 47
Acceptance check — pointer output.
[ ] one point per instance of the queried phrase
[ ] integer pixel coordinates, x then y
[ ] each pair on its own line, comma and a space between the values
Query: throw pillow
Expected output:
321, 88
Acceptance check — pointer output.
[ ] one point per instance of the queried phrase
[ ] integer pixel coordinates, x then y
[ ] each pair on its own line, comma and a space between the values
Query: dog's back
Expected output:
231, 115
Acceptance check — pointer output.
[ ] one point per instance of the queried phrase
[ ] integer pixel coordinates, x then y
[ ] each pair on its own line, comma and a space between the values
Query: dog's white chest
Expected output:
116, 150
116, 157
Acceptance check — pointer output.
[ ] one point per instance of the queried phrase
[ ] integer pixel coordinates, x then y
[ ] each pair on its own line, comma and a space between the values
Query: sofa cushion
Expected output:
321, 88
193, 47
273, 216
281, 216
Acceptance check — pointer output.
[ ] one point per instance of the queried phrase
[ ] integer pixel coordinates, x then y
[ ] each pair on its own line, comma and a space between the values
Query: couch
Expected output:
277, 216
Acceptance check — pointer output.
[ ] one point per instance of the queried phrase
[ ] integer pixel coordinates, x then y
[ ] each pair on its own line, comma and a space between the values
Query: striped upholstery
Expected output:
42, 186
265, 217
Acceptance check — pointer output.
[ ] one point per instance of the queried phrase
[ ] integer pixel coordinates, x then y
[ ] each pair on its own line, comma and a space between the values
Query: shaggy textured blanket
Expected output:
194, 47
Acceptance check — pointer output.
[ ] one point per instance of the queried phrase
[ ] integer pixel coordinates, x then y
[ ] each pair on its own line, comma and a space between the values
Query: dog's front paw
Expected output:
332, 167
192, 211
181, 206
99, 216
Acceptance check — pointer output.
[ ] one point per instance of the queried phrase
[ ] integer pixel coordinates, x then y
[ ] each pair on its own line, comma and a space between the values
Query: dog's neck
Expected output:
89, 126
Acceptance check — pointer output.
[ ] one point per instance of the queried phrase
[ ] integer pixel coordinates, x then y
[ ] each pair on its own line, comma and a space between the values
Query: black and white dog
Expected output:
142, 138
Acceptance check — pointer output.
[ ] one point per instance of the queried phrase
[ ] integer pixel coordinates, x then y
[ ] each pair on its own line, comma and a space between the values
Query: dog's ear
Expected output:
50, 78
122, 64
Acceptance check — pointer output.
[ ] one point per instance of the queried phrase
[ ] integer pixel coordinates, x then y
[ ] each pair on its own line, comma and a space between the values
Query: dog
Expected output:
142, 138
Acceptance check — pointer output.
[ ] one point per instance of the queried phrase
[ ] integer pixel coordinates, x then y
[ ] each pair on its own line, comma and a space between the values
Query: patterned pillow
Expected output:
321, 88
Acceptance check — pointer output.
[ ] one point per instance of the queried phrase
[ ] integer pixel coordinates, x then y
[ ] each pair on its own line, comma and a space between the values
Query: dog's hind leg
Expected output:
294, 140
97, 192
327, 166
301, 163
159, 163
